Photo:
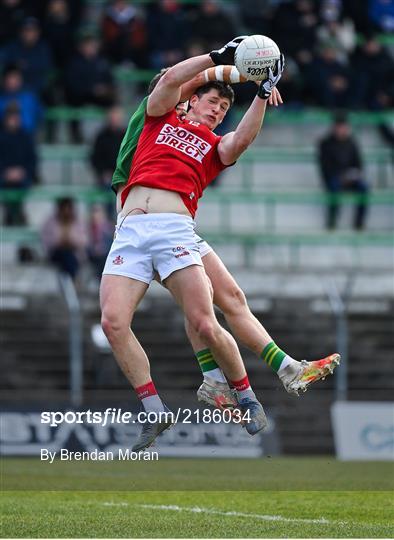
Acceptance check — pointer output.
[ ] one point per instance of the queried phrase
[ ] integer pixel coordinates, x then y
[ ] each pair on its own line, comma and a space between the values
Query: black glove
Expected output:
272, 80
225, 55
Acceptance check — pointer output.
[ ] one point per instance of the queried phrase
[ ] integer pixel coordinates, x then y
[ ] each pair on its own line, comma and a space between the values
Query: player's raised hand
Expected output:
225, 55
274, 75
275, 97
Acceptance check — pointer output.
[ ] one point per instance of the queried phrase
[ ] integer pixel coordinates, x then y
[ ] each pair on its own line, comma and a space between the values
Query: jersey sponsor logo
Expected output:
184, 141
118, 260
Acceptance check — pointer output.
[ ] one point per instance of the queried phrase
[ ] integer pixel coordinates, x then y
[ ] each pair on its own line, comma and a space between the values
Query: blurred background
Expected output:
304, 220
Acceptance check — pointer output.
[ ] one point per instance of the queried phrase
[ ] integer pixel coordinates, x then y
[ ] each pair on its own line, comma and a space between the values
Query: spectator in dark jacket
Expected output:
294, 26
39, 9
373, 70
17, 162
257, 15
212, 25
168, 30
13, 91
88, 79
12, 13
341, 170
329, 79
59, 31
32, 54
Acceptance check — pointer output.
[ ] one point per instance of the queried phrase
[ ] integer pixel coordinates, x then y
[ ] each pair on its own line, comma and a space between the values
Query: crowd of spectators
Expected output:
334, 58
51, 54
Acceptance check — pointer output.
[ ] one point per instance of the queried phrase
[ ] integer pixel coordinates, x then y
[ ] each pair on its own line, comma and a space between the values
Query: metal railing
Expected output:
75, 338
339, 305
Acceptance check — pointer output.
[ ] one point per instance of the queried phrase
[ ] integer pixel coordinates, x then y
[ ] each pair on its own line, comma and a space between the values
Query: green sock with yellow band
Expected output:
208, 365
273, 356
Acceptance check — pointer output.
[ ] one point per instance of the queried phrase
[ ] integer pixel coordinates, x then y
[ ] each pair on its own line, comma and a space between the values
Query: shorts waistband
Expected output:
157, 217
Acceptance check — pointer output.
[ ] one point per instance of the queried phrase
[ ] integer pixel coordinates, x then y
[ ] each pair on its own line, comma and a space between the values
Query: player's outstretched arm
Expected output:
235, 143
167, 93
227, 74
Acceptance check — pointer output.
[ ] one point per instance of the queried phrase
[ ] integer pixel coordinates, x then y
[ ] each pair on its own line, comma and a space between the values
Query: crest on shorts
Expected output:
118, 260
180, 251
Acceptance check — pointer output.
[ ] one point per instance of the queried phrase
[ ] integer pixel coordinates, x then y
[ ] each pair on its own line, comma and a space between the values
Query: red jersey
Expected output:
175, 155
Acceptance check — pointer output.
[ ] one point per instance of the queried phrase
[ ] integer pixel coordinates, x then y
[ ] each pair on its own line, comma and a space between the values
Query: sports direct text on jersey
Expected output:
183, 140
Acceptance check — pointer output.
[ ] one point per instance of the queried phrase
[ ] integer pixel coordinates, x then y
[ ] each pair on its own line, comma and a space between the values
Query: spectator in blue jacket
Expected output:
381, 13
17, 162
32, 55
13, 91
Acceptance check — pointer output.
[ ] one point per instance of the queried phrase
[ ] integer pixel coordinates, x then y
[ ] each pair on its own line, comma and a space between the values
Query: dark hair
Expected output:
224, 90
63, 202
11, 68
340, 117
156, 79
30, 22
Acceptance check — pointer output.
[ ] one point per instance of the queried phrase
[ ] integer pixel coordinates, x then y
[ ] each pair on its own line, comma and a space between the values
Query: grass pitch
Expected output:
220, 498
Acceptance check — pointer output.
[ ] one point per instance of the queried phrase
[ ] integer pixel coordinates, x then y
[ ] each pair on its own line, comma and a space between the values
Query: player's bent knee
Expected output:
207, 329
113, 326
239, 297
232, 301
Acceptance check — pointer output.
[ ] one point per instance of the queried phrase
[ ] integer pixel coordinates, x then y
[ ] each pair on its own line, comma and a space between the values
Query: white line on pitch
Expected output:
262, 517
199, 510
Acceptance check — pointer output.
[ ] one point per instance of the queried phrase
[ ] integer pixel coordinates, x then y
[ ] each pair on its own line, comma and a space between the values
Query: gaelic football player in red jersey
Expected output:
175, 160
227, 295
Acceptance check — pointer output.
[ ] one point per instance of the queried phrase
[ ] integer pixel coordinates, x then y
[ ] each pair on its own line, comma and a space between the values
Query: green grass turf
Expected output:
263, 509
176, 474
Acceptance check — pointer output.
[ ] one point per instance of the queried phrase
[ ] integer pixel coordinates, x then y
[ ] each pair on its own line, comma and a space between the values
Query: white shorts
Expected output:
203, 246
149, 243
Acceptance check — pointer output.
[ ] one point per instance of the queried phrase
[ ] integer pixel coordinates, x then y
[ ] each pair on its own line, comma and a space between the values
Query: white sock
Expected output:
152, 403
216, 374
287, 360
